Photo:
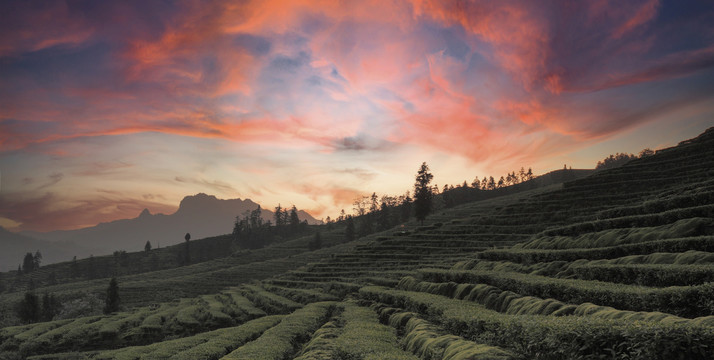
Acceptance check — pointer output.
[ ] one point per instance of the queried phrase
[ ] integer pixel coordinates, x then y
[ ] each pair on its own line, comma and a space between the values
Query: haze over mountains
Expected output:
201, 215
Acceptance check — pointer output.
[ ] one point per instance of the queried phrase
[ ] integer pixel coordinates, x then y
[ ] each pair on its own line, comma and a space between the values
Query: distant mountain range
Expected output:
200, 215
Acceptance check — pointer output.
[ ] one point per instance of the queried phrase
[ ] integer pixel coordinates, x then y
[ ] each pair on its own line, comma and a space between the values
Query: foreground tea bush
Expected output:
429, 342
355, 334
207, 345
685, 301
280, 341
553, 338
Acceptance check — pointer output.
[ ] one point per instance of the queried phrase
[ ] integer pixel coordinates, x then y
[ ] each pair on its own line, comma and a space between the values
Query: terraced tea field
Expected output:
618, 265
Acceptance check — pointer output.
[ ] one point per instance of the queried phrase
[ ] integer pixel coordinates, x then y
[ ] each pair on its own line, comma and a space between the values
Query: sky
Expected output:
110, 107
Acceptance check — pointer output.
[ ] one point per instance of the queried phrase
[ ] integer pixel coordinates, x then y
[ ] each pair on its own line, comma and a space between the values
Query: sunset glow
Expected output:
107, 108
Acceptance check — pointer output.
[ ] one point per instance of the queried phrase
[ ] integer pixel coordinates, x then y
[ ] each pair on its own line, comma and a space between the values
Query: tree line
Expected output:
377, 213
620, 159
251, 231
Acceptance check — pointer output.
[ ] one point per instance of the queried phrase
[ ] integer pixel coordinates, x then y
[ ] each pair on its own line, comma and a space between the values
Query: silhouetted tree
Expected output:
111, 303
385, 219
350, 229
406, 207
256, 220
359, 206
646, 152
279, 216
147, 246
294, 219
491, 183
422, 193
28, 263
373, 203
476, 184
28, 310
614, 161
37, 259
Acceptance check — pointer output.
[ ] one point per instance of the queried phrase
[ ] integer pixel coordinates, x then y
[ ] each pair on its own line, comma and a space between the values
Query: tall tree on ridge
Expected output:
294, 219
422, 193
279, 216
28, 263
37, 259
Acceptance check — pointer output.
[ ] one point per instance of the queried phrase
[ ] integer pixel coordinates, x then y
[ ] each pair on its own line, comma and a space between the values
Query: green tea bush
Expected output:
685, 301
645, 274
284, 339
619, 236
534, 256
428, 342
554, 338
269, 302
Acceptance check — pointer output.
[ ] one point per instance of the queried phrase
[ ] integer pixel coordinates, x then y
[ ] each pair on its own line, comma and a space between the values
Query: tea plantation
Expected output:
616, 265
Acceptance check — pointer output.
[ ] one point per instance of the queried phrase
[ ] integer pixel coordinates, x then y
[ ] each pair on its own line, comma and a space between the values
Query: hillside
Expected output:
618, 264
201, 215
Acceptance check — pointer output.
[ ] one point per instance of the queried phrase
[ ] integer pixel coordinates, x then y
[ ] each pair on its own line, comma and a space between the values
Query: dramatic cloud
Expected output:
318, 102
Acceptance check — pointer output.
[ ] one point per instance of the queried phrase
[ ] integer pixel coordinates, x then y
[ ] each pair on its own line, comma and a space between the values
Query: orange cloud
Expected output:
644, 14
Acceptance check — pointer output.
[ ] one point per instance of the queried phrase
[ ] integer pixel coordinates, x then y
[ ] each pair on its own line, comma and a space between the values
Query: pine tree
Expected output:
476, 184
294, 219
422, 193
28, 263
111, 303
147, 247
37, 259
279, 216
406, 207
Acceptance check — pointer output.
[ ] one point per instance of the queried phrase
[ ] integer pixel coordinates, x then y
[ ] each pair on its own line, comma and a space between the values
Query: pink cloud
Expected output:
494, 82
644, 14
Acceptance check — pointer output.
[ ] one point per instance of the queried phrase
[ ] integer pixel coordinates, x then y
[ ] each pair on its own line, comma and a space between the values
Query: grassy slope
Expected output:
554, 273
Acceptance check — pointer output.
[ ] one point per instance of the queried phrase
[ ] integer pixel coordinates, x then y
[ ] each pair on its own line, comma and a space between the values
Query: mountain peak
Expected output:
145, 213
197, 201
